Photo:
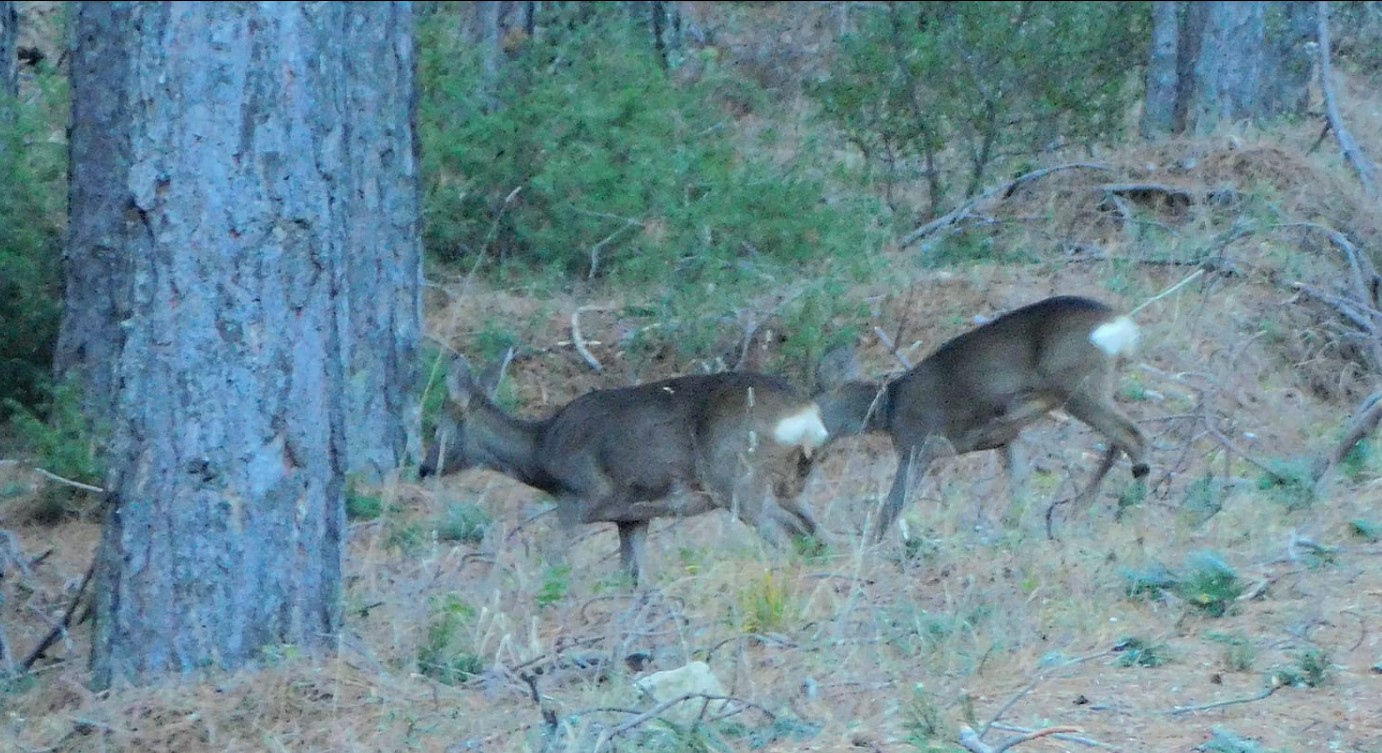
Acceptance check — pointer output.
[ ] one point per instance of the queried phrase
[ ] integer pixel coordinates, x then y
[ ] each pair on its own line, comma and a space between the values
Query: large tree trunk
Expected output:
384, 247
222, 286
376, 198
1217, 62
1229, 71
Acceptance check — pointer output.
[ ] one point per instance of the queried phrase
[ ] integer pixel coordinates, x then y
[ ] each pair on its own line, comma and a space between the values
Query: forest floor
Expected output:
979, 618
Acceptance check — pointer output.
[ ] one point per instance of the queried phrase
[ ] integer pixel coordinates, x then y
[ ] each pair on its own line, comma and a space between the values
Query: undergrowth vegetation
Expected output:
675, 214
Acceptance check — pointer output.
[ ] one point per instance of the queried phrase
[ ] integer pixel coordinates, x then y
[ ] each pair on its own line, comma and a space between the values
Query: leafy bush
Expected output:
593, 161
61, 440
33, 195
943, 92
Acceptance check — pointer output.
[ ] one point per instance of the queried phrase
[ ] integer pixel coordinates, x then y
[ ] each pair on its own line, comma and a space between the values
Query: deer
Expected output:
979, 390
678, 447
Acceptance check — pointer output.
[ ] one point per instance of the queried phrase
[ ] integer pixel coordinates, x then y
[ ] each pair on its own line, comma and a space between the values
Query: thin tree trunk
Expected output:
9, 55
219, 292
1158, 112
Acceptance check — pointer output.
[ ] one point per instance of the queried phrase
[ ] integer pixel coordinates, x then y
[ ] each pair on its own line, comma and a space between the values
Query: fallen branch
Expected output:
55, 477
1360, 162
644, 717
1062, 736
1272, 688
1365, 422
60, 629
969, 739
962, 211
892, 347
579, 342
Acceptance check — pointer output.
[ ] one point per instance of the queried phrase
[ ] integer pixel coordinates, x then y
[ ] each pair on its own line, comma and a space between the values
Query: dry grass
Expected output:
889, 648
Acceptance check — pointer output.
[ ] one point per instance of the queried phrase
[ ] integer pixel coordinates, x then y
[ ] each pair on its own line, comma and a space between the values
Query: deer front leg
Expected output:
912, 462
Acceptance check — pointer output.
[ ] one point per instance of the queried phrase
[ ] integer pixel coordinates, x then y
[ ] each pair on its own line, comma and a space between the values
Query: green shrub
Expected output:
33, 196
940, 94
594, 162
464, 523
440, 657
1211, 584
60, 439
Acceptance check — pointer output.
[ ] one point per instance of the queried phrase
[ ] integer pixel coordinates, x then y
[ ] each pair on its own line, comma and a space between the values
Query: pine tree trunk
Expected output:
1158, 111
9, 55
225, 290
384, 247
1229, 70
377, 197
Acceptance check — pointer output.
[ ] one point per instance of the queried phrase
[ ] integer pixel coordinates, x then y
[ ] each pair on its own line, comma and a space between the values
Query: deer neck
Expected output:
509, 444
856, 408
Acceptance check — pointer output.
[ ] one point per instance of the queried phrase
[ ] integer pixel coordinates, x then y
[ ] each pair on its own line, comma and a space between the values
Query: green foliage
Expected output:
1313, 664
945, 91
926, 727
765, 603
360, 504
590, 160
1367, 530
33, 198
1136, 652
1239, 653
1289, 482
556, 583
463, 522
1211, 584
63, 441
1150, 582
439, 656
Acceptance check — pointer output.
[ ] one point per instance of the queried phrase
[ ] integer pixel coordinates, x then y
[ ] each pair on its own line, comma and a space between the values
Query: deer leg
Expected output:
912, 463
1104, 417
633, 537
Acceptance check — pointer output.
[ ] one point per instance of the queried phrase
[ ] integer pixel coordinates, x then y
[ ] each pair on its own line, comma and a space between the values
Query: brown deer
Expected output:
980, 389
678, 447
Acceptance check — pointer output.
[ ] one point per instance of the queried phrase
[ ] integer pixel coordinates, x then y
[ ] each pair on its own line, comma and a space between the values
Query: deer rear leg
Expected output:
633, 538
1104, 417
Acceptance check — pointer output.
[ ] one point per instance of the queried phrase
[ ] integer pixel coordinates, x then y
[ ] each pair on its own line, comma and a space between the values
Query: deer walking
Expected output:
678, 447
980, 389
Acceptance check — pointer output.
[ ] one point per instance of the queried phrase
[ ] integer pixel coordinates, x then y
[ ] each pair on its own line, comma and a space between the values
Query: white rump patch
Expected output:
1116, 338
803, 429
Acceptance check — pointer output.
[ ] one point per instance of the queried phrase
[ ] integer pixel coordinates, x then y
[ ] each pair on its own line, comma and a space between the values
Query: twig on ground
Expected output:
970, 741
579, 342
642, 717
1271, 688
60, 629
55, 477
1365, 422
963, 210
1077, 739
1186, 281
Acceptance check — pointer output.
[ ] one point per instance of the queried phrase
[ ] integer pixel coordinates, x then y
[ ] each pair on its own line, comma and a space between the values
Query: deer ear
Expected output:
489, 381
839, 365
460, 382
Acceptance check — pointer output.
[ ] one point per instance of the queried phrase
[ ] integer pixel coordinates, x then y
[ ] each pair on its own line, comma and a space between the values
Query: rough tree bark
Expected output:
235, 198
1158, 111
1216, 62
376, 195
9, 53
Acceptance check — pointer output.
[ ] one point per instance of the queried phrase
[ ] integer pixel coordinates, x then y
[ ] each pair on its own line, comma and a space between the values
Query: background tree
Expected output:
9, 54
1216, 62
230, 228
